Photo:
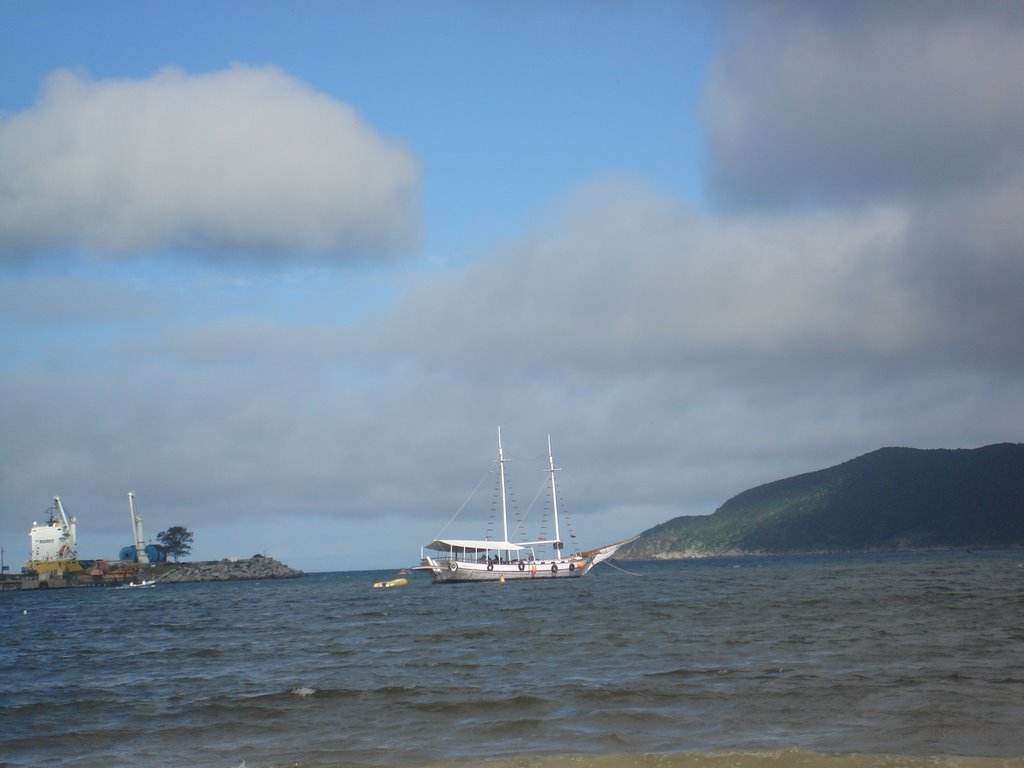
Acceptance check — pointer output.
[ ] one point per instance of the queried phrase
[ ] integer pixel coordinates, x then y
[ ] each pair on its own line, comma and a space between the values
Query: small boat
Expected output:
133, 585
390, 583
462, 560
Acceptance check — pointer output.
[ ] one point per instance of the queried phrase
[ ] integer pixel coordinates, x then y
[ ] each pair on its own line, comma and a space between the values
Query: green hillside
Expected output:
890, 499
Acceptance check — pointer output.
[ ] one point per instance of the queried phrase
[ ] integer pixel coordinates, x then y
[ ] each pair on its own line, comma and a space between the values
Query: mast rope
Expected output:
568, 522
522, 523
628, 573
472, 493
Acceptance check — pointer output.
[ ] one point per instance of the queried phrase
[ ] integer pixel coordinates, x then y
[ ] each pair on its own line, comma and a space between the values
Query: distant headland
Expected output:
892, 499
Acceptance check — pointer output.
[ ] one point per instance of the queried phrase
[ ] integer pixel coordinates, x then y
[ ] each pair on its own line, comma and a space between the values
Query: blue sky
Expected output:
281, 269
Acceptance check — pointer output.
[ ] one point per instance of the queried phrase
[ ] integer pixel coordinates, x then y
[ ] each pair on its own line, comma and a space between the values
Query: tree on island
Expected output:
176, 541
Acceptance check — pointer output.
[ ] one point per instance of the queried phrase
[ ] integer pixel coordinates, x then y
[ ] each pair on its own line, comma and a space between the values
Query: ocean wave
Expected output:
607, 672
781, 758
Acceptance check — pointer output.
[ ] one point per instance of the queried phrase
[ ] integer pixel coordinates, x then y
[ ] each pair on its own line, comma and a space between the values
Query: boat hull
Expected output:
442, 572
452, 570
139, 585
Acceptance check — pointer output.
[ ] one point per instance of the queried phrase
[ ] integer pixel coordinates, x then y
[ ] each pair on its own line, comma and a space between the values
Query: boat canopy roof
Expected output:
447, 545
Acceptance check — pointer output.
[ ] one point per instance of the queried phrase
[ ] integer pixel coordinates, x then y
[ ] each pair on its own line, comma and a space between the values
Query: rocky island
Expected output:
255, 567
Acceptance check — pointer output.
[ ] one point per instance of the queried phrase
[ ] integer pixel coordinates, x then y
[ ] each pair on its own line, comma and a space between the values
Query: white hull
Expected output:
140, 585
442, 572
449, 571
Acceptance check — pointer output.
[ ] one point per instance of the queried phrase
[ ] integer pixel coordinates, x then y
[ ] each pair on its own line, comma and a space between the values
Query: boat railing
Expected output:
480, 556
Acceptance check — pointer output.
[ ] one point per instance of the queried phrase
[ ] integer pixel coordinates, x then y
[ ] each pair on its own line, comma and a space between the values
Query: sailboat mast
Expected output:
501, 473
554, 500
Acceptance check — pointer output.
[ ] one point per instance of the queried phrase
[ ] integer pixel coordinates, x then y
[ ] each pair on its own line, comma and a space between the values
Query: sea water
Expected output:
840, 662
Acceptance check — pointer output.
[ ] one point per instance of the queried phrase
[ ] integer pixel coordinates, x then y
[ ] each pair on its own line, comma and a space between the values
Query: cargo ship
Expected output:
54, 562
53, 549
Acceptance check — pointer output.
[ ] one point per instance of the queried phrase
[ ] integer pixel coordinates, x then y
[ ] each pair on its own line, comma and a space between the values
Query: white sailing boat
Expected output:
461, 560
139, 585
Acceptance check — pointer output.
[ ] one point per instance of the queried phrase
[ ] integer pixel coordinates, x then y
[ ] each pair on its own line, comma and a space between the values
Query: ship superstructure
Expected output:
54, 544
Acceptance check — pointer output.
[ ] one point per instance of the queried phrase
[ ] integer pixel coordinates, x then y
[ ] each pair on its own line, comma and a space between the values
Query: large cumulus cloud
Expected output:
247, 159
630, 279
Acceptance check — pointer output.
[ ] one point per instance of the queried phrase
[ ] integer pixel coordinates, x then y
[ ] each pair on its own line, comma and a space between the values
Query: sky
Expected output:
283, 269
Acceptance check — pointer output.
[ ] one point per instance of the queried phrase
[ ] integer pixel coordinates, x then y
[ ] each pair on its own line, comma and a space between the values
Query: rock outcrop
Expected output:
256, 567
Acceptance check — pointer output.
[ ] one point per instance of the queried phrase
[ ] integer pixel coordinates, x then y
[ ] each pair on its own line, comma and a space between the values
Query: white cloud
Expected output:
630, 280
246, 159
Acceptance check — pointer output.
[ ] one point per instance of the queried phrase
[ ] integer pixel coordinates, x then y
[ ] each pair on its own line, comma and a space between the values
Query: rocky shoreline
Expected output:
256, 567
708, 554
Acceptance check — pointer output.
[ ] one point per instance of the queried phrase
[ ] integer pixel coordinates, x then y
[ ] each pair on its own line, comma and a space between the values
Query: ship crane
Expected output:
140, 542
70, 528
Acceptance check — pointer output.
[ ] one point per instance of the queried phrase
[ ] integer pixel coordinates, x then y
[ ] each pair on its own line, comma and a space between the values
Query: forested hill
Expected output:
890, 499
